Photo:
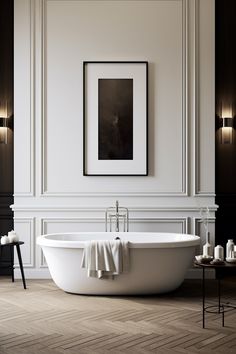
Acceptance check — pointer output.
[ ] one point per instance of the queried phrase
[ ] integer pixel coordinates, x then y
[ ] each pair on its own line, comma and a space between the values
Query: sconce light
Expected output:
3, 130
227, 125
6, 122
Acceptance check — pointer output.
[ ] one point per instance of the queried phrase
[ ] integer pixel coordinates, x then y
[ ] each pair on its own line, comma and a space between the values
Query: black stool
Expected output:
12, 245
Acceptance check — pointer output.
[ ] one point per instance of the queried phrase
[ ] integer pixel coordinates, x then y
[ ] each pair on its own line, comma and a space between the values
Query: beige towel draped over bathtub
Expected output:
105, 258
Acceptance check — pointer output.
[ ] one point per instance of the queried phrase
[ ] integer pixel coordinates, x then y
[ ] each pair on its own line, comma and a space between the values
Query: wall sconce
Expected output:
5, 123
226, 126
3, 130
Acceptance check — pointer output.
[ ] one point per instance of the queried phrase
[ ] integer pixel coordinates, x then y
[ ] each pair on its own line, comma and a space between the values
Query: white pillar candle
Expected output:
219, 252
4, 240
13, 237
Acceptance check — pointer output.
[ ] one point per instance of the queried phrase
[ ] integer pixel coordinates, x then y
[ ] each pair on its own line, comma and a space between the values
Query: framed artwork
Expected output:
115, 98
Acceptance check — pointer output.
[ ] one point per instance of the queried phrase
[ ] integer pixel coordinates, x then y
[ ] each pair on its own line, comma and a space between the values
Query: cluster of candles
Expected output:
10, 238
230, 251
219, 251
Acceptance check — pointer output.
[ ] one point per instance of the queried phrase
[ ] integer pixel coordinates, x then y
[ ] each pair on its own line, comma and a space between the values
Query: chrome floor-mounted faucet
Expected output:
117, 215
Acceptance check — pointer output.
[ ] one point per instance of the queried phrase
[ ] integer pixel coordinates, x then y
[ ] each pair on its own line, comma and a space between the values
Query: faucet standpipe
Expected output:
119, 214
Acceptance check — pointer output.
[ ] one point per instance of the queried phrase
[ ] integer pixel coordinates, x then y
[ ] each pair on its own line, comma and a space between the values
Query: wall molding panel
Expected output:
197, 190
45, 192
180, 222
183, 221
198, 118
51, 193
29, 110
196, 97
25, 227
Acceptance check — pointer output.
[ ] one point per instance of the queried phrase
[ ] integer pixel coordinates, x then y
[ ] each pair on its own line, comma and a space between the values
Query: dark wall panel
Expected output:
225, 101
6, 102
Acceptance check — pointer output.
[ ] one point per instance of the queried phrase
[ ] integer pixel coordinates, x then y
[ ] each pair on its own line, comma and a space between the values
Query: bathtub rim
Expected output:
45, 241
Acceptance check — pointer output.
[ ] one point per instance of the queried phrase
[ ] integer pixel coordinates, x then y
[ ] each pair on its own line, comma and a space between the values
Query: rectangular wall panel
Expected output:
24, 227
60, 225
64, 50
23, 97
205, 91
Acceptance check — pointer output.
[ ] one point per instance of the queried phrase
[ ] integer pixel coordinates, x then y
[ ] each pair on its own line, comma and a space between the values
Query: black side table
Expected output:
219, 308
12, 245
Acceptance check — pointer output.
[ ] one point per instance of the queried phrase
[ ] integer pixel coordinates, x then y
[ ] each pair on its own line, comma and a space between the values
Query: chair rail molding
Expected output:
102, 208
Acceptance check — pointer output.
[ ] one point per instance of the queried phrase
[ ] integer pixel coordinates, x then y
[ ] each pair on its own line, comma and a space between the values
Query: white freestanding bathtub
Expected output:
158, 262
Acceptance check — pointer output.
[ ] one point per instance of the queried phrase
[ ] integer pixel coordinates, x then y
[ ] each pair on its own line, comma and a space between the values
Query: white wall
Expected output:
52, 39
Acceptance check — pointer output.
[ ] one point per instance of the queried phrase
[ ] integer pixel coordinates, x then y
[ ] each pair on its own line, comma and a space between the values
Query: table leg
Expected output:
219, 303
203, 297
223, 316
219, 295
21, 265
0, 253
12, 262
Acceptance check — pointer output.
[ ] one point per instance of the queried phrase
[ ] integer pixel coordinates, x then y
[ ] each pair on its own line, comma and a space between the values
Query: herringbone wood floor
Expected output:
45, 320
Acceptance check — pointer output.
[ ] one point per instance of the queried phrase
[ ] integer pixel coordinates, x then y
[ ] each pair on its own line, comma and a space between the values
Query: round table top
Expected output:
223, 265
13, 243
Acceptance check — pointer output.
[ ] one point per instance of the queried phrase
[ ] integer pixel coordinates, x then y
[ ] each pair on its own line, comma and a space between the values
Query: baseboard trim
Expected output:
33, 274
